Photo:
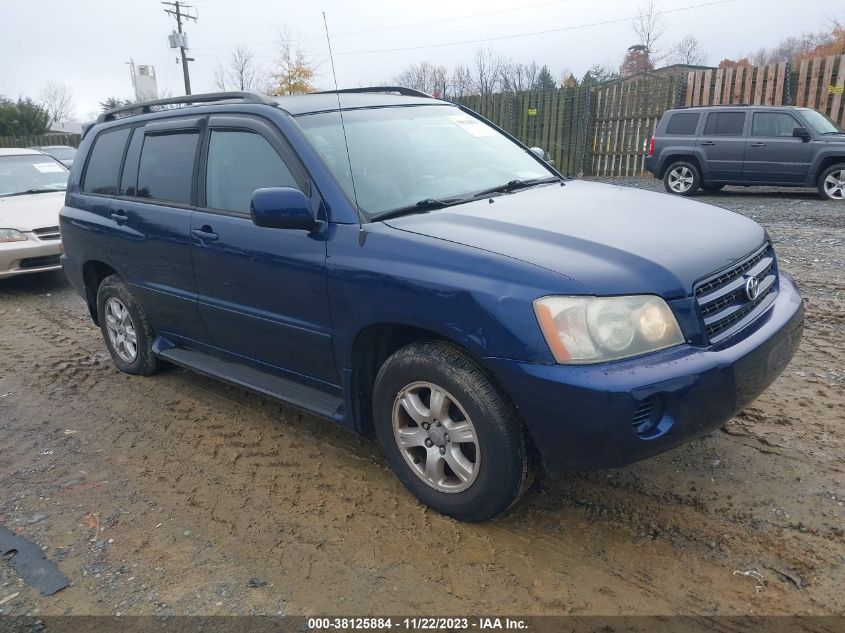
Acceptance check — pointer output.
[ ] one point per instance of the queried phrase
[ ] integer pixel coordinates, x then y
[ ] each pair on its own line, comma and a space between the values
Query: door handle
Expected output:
202, 235
757, 144
119, 217
707, 143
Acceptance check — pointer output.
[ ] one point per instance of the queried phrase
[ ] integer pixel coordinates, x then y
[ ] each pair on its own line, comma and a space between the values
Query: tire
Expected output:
832, 183
712, 188
495, 464
682, 178
121, 320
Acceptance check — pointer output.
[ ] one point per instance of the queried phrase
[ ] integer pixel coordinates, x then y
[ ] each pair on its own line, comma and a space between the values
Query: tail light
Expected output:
651, 147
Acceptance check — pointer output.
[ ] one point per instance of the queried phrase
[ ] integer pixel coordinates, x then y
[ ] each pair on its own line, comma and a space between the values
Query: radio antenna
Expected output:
340, 111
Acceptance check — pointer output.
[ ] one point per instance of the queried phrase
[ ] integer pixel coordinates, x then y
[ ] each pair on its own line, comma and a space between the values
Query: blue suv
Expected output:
402, 266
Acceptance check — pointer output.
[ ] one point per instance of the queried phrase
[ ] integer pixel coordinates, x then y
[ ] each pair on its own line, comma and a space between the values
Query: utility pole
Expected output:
181, 41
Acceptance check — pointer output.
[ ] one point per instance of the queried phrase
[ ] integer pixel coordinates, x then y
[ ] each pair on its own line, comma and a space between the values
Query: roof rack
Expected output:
145, 107
407, 92
714, 105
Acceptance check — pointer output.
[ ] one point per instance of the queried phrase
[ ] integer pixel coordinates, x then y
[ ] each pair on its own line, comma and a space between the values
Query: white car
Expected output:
32, 190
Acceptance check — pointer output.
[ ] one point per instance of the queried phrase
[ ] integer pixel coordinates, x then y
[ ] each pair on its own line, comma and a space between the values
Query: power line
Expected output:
529, 34
181, 41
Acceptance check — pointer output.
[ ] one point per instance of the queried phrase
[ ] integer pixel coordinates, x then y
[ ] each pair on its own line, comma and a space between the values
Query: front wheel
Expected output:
448, 433
832, 183
682, 178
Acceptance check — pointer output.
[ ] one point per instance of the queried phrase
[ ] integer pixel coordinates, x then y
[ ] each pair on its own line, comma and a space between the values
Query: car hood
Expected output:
29, 212
610, 239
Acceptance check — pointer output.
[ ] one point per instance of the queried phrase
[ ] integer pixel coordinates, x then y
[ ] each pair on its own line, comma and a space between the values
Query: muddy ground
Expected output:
166, 495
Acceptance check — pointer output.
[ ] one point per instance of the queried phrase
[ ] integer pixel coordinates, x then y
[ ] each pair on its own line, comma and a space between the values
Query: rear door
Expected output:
151, 220
722, 145
262, 291
772, 153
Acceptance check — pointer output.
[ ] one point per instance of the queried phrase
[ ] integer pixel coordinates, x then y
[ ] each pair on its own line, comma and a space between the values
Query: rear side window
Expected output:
104, 164
724, 124
777, 124
240, 162
683, 123
166, 168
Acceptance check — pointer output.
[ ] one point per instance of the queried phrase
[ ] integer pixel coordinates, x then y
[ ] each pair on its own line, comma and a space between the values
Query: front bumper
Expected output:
583, 417
31, 256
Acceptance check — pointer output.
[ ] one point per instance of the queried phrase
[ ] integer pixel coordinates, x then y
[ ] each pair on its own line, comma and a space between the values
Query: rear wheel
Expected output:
832, 183
682, 178
126, 331
448, 433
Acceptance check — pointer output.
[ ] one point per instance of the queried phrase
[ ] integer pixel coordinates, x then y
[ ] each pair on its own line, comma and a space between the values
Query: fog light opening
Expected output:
649, 421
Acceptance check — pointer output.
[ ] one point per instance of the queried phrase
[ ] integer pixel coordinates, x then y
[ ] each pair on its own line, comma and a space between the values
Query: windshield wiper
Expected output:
513, 185
426, 204
29, 191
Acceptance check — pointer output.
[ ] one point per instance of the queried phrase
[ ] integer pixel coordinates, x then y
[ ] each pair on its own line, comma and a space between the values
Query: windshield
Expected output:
31, 173
819, 122
402, 156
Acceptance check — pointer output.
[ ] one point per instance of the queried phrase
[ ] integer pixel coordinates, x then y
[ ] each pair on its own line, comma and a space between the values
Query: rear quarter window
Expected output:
104, 163
683, 123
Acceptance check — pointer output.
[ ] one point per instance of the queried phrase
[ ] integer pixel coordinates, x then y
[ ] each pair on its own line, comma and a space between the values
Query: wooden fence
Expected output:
44, 139
605, 131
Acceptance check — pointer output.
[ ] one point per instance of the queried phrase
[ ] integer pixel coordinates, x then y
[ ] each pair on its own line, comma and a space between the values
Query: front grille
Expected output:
48, 233
40, 262
722, 299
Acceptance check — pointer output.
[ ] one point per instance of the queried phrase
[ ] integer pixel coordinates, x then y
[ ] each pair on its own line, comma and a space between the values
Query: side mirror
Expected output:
281, 208
542, 154
802, 133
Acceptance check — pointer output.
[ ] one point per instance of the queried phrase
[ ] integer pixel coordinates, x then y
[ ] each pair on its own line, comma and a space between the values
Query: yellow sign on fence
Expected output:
836, 90
532, 111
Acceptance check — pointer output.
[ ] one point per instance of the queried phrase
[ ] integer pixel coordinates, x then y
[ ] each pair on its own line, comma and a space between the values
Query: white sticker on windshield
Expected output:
48, 168
472, 126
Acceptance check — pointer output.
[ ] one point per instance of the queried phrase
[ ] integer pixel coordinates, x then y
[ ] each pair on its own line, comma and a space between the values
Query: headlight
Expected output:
11, 235
597, 329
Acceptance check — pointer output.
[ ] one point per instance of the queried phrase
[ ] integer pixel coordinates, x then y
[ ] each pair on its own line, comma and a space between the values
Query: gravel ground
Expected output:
167, 495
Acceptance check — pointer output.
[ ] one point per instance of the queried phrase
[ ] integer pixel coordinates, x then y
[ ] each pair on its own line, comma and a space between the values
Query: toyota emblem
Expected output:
752, 288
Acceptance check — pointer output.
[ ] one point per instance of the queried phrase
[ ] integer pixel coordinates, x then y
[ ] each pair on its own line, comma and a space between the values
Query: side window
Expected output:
724, 124
104, 164
683, 123
239, 162
768, 124
166, 168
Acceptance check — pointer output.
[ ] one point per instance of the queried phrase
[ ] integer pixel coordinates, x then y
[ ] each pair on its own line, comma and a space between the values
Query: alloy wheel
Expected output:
834, 185
680, 179
436, 437
121, 330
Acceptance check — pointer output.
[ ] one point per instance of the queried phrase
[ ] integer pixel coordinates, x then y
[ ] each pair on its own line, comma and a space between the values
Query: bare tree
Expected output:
461, 82
688, 51
294, 70
487, 71
425, 77
516, 77
58, 101
649, 27
239, 72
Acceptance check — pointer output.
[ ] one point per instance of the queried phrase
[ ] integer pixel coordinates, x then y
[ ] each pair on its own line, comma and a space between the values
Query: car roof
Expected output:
734, 105
17, 151
43, 147
328, 101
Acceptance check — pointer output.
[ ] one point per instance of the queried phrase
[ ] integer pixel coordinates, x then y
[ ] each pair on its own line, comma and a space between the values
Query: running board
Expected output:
293, 393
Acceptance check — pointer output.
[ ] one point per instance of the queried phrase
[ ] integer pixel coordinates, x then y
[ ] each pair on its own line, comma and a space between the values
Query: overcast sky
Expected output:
85, 44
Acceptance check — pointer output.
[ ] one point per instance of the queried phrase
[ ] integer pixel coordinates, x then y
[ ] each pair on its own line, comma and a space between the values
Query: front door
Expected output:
772, 153
262, 291
722, 145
